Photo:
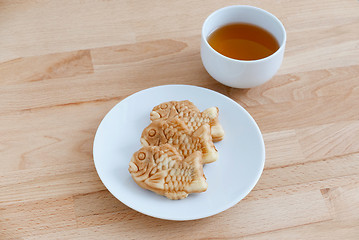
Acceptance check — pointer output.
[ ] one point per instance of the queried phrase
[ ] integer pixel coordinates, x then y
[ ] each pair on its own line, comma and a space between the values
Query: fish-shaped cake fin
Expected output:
194, 158
217, 131
173, 112
209, 151
185, 105
199, 180
179, 125
176, 195
157, 181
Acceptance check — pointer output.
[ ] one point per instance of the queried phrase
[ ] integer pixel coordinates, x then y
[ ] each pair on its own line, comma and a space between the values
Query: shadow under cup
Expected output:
240, 73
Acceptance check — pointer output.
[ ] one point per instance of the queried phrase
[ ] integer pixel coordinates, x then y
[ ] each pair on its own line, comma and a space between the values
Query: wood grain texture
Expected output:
65, 64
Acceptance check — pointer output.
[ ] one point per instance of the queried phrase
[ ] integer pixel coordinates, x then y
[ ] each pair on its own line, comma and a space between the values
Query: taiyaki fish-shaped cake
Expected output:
175, 132
189, 113
164, 171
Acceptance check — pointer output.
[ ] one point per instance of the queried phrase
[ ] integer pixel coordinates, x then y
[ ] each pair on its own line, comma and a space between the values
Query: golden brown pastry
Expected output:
164, 171
175, 132
189, 113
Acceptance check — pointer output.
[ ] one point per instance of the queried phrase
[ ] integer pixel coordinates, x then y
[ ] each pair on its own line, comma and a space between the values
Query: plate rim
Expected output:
199, 216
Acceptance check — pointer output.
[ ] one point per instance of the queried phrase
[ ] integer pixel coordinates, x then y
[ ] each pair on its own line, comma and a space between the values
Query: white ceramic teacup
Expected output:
239, 73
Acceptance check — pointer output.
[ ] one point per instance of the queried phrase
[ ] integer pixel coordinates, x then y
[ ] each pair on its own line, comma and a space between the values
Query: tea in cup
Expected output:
242, 46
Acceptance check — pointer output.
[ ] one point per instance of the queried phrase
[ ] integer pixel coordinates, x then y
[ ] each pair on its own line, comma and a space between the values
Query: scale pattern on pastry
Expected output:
164, 171
189, 113
175, 132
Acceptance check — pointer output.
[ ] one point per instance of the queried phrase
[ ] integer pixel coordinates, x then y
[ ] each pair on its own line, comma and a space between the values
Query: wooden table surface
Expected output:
65, 64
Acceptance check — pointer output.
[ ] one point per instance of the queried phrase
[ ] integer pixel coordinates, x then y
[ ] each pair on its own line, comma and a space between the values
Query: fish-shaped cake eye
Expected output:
152, 132
163, 106
141, 156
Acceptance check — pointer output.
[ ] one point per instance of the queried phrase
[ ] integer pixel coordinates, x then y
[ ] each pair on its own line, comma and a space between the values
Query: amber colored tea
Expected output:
243, 41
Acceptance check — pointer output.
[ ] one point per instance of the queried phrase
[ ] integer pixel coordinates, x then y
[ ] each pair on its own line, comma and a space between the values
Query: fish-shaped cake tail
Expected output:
199, 183
217, 131
212, 113
210, 153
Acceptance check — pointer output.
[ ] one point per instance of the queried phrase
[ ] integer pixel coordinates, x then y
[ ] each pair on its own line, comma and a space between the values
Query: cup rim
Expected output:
282, 46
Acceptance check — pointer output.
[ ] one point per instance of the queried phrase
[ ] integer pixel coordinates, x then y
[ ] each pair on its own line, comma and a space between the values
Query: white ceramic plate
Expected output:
230, 178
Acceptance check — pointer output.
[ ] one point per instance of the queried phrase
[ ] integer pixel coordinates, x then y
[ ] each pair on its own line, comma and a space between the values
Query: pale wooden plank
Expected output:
282, 149
30, 28
298, 86
61, 92
136, 52
343, 202
315, 36
50, 137
49, 182
328, 14
309, 172
315, 231
329, 140
101, 202
320, 47
344, 208
310, 112
247, 217
46, 67
334, 182
38, 217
